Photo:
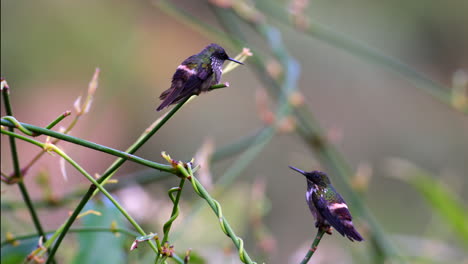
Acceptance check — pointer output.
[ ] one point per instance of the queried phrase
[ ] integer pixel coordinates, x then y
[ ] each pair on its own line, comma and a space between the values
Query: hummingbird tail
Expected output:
353, 234
170, 96
163, 105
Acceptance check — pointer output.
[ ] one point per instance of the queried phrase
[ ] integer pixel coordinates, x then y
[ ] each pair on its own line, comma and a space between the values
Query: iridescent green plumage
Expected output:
327, 205
196, 74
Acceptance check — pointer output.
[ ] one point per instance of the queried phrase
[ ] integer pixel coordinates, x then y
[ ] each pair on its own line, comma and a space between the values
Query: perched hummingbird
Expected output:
196, 74
327, 205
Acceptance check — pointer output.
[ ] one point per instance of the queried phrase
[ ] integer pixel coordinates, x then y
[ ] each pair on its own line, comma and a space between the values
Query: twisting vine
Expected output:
187, 172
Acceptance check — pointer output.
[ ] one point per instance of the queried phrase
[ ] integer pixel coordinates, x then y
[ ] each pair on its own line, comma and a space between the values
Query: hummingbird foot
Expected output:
328, 229
325, 227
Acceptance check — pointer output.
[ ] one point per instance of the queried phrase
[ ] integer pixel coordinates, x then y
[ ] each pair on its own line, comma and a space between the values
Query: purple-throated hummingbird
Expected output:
327, 205
196, 74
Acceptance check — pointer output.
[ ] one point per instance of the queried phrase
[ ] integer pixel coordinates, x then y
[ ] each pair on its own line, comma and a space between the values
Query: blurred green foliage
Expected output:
101, 247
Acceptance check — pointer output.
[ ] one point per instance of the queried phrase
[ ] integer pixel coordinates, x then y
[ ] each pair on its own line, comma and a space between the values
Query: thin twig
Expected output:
147, 175
110, 171
17, 172
58, 119
52, 148
80, 111
314, 246
127, 232
122, 155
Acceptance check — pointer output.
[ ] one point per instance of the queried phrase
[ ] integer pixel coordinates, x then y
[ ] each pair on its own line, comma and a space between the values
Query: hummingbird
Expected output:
327, 205
196, 74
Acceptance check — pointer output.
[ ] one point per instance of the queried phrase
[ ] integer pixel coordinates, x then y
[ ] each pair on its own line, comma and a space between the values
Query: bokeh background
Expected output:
378, 120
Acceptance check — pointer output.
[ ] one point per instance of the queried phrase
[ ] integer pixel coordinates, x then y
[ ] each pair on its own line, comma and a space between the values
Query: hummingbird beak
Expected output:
298, 170
236, 61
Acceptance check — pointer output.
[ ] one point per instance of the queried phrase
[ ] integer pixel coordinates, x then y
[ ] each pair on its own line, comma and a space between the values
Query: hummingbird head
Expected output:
214, 51
316, 177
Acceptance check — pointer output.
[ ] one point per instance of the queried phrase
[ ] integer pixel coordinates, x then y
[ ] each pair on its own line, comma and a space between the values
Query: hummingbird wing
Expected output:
185, 82
195, 82
175, 95
337, 215
171, 95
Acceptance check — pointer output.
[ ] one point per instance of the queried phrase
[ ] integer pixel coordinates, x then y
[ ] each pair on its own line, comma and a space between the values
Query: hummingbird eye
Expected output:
221, 55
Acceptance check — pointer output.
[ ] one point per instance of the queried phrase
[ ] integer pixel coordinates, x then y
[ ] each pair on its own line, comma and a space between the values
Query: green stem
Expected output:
32, 210
50, 147
252, 145
142, 140
14, 151
216, 207
146, 136
104, 191
66, 226
58, 119
123, 155
174, 214
110, 171
312, 134
175, 210
16, 124
314, 246
142, 177
217, 86
148, 175
17, 172
73, 230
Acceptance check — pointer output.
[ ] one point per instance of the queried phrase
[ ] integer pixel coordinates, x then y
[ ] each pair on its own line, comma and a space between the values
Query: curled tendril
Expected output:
223, 228
241, 249
168, 224
19, 126
186, 170
220, 216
